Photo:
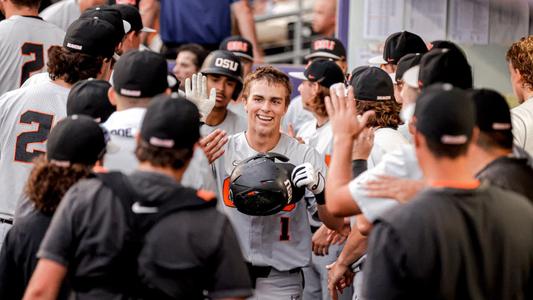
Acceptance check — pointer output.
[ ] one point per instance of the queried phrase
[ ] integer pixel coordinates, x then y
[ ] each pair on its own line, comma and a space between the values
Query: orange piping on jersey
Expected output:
31, 131
206, 195
327, 159
34, 55
229, 203
456, 184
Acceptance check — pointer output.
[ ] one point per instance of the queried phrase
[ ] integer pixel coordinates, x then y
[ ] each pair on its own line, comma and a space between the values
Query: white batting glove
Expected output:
306, 175
196, 92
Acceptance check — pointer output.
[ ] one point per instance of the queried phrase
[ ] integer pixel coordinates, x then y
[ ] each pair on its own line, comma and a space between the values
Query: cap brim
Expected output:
377, 60
127, 26
321, 54
298, 75
410, 77
148, 29
242, 55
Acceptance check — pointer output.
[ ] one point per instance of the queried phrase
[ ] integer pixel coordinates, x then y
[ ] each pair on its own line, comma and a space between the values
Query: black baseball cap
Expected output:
94, 37
372, 84
239, 46
172, 123
327, 48
111, 15
140, 74
325, 72
445, 114
405, 63
89, 98
133, 17
76, 139
399, 44
492, 111
441, 65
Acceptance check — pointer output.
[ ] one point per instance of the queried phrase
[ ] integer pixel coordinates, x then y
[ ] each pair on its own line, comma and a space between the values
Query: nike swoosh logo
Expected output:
139, 209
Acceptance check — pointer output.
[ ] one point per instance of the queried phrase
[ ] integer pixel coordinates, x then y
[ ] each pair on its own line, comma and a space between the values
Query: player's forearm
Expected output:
339, 175
354, 248
332, 222
245, 22
149, 11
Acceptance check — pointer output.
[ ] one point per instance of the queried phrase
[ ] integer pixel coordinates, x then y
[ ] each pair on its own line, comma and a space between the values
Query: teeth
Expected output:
265, 118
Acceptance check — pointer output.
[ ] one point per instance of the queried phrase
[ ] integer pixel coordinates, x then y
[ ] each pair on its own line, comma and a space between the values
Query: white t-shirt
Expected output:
522, 117
296, 115
26, 118
62, 13
238, 108
24, 43
232, 124
385, 140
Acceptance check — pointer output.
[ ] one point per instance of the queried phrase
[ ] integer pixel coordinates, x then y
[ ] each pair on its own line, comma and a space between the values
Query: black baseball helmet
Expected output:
261, 187
222, 62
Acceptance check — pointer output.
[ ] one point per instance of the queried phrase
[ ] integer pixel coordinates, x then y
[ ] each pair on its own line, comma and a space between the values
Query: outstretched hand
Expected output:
196, 92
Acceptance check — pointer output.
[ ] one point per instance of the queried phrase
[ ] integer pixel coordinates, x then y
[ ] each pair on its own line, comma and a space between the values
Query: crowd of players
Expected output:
399, 180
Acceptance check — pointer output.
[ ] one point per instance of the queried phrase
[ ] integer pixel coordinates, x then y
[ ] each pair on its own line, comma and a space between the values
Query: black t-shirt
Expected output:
89, 229
511, 174
18, 255
453, 244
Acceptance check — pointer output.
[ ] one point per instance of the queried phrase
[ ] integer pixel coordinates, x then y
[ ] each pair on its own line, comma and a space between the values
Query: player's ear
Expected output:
112, 96
168, 91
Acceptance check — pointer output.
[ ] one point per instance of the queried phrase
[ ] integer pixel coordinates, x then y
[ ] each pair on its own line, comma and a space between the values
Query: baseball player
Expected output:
319, 76
27, 114
224, 73
132, 38
277, 246
64, 12
89, 98
396, 46
23, 49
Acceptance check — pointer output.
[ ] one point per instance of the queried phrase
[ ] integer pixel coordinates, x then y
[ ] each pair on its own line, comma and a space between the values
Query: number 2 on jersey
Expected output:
36, 50
44, 124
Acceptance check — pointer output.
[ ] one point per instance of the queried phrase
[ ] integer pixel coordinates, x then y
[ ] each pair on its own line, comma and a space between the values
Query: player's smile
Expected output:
265, 118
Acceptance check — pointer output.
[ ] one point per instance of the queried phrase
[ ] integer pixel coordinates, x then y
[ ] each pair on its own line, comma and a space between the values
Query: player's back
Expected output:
26, 117
24, 43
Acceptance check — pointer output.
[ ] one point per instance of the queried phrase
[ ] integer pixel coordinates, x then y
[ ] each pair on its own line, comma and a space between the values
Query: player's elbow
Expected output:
339, 203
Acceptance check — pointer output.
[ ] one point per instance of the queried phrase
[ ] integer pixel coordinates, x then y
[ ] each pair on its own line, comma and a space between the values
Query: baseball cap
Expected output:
133, 17
372, 84
239, 46
397, 45
172, 123
441, 65
111, 15
91, 36
325, 72
89, 98
445, 114
76, 139
140, 74
405, 63
492, 111
327, 48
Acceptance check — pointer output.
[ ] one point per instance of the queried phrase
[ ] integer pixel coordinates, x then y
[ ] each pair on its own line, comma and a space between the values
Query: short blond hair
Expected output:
272, 76
520, 55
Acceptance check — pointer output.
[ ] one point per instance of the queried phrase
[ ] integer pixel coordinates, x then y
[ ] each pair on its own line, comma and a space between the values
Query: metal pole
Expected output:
297, 48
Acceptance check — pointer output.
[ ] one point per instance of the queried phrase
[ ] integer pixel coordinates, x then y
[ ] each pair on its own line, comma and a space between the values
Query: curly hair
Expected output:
71, 66
160, 157
386, 113
272, 76
48, 182
317, 102
520, 55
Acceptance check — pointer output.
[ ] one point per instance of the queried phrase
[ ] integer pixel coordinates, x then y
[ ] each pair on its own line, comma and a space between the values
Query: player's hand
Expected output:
343, 114
395, 188
196, 92
320, 241
213, 144
363, 144
306, 175
340, 276
338, 237
292, 134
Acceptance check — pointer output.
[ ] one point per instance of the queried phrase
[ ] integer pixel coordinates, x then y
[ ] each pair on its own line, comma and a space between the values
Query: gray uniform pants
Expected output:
279, 286
316, 276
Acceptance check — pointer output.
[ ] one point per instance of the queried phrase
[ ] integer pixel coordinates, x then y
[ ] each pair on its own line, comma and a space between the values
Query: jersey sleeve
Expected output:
230, 271
519, 129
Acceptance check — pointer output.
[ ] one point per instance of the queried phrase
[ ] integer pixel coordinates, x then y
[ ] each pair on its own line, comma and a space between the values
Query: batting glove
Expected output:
196, 92
306, 175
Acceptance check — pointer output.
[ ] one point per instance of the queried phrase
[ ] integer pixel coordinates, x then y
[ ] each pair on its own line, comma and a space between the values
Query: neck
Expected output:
447, 169
481, 158
528, 94
62, 83
176, 174
141, 104
262, 142
12, 10
216, 116
320, 120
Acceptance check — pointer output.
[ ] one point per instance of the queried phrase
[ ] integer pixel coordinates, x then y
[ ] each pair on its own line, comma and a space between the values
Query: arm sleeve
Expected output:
231, 275
358, 167
385, 276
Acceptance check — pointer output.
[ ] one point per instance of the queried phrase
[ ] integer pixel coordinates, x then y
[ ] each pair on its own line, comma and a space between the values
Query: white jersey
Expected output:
26, 117
386, 140
283, 240
62, 13
296, 115
232, 124
320, 138
24, 43
124, 125
522, 117
37, 78
238, 108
